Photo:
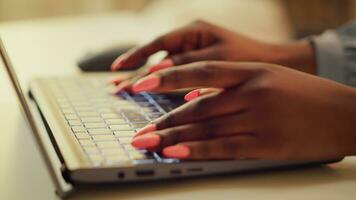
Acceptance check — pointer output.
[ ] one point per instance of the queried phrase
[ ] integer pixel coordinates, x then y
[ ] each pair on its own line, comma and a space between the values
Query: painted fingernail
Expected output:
146, 141
192, 95
118, 63
115, 81
177, 151
146, 129
162, 65
146, 84
121, 87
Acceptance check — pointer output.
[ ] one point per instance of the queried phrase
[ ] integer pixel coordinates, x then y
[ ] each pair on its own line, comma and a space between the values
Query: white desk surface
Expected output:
51, 47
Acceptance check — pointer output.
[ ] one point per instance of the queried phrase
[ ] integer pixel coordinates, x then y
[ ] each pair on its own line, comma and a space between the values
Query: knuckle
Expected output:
166, 121
229, 147
200, 107
207, 69
208, 129
160, 41
172, 76
183, 58
264, 86
226, 53
172, 136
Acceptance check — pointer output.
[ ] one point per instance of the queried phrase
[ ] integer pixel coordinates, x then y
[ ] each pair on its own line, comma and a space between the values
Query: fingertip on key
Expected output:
166, 63
177, 151
192, 95
146, 129
147, 141
149, 83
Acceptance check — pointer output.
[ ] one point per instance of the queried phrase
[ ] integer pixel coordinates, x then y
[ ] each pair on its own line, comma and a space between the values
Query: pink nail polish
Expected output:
177, 151
115, 81
146, 84
121, 87
192, 95
146, 129
162, 65
146, 141
118, 63
118, 90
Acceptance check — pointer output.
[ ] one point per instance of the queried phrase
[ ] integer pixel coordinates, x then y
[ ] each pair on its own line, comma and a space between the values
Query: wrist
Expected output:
350, 108
298, 55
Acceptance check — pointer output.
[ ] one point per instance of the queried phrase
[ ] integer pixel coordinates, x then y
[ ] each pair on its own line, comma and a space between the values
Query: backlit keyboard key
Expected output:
78, 129
136, 155
103, 137
95, 125
105, 110
124, 133
99, 131
120, 127
82, 135
91, 119
68, 111
129, 147
74, 122
113, 152
88, 114
71, 116
86, 142
83, 109
115, 121
114, 158
139, 125
110, 116
96, 158
91, 149
108, 144
125, 140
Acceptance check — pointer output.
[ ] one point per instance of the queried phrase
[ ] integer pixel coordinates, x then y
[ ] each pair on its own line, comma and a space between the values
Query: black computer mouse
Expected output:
102, 60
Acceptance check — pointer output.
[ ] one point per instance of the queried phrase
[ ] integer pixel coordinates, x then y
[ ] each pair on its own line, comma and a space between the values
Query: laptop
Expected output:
84, 132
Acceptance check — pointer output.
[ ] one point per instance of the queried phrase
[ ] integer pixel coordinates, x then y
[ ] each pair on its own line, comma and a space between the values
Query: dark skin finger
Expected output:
186, 38
229, 125
235, 147
200, 74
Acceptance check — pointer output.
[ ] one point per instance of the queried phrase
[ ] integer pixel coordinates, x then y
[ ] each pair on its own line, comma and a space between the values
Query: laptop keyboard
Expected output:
104, 124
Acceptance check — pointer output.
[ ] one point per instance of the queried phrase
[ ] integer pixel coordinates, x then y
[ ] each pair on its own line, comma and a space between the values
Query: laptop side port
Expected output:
176, 172
120, 175
145, 172
196, 169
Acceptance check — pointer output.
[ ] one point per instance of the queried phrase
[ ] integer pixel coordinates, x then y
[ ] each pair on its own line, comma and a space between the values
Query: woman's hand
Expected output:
257, 111
201, 41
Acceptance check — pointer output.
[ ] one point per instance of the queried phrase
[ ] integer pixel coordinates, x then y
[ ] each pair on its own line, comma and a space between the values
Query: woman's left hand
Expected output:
257, 111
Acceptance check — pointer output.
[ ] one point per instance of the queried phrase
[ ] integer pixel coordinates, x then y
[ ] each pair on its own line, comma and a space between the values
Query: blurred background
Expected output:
290, 18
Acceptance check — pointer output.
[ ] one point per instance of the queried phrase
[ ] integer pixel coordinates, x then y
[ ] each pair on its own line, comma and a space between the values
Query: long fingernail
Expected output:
146, 84
118, 63
177, 151
146, 129
162, 65
146, 141
192, 95
120, 88
115, 81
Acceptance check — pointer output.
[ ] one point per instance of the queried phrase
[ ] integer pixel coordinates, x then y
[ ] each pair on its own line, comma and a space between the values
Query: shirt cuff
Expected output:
330, 56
